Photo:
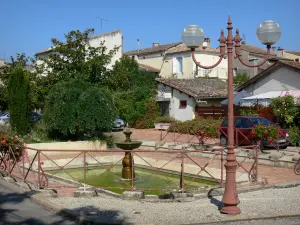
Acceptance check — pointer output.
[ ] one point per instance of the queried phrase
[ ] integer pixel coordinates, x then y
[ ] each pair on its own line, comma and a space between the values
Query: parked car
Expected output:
243, 133
35, 116
119, 124
4, 118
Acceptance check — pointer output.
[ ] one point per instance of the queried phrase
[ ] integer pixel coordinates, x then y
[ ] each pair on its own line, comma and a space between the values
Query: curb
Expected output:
83, 220
249, 218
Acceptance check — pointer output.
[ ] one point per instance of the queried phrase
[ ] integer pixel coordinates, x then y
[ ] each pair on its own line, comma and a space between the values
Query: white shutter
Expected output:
174, 65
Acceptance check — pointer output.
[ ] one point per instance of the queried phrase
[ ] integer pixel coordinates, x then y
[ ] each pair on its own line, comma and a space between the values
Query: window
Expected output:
238, 123
246, 123
177, 65
182, 104
297, 60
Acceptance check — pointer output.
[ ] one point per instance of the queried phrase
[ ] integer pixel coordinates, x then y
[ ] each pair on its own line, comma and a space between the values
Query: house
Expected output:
178, 98
178, 63
281, 76
295, 56
111, 40
175, 60
153, 56
252, 55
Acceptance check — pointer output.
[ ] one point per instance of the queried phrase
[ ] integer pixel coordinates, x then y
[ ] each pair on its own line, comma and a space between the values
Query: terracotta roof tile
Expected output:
182, 48
294, 53
254, 50
148, 68
199, 87
152, 49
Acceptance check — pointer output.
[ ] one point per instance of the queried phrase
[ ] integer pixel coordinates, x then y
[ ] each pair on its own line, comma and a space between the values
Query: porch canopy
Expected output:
266, 98
236, 98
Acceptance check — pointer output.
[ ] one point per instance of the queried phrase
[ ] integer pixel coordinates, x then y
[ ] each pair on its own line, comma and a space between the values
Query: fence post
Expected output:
39, 168
182, 173
222, 167
84, 170
132, 171
256, 163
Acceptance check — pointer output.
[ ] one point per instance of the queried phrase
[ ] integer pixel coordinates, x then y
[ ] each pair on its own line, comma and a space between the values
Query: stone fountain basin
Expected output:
129, 145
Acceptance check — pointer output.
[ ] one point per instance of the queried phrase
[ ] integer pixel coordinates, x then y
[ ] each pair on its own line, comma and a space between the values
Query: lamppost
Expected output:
268, 33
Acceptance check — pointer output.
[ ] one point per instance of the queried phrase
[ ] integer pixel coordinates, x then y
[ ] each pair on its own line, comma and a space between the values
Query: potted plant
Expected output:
13, 147
163, 122
265, 134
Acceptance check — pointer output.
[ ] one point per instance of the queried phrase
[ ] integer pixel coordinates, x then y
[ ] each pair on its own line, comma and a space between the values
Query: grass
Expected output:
145, 178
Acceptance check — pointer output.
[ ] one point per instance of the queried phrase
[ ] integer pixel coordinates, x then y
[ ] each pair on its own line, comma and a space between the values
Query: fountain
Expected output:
127, 162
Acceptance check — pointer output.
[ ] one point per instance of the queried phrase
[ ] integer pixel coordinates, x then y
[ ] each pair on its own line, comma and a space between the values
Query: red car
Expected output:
243, 126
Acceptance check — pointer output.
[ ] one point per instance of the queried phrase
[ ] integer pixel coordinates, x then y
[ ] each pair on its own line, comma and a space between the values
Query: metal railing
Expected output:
42, 167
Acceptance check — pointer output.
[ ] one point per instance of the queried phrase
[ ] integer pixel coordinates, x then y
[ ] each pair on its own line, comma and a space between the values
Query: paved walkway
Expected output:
16, 208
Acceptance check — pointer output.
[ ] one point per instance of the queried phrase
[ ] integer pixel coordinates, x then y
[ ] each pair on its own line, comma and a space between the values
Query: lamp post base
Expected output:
230, 210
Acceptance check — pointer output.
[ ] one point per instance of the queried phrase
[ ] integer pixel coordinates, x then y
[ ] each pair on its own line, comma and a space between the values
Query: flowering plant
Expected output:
16, 145
263, 132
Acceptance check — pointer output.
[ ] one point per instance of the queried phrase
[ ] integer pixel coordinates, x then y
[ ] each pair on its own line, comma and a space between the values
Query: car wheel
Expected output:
223, 141
283, 147
260, 144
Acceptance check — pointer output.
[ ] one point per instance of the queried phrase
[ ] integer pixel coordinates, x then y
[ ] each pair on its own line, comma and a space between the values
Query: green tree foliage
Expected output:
72, 59
133, 89
96, 110
284, 107
19, 100
19, 62
75, 108
240, 78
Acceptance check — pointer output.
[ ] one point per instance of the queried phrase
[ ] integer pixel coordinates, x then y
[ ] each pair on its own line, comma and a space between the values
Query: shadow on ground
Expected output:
18, 208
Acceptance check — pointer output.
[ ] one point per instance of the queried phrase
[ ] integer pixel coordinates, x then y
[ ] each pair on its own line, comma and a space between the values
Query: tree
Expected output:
133, 90
76, 59
20, 61
240, 78
76, 108
19, 100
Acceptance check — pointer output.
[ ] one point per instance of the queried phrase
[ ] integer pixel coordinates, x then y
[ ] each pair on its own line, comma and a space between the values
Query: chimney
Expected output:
155, 45
207, 41
273, 50
280, 52
138, 45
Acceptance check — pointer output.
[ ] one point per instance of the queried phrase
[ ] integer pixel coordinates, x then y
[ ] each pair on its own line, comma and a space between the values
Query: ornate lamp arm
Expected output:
222, 40
237, 40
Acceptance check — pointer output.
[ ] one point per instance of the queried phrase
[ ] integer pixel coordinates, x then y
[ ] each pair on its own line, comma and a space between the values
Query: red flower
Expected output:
3, 142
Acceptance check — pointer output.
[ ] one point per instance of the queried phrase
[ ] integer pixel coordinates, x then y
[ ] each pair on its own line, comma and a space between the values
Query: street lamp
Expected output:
268, 34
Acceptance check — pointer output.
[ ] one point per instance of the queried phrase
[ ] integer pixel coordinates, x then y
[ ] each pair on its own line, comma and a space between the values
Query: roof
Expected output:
294, 53
199, 87
158, 48
148, 68
254, 50
91, 37
279, 64
182, 48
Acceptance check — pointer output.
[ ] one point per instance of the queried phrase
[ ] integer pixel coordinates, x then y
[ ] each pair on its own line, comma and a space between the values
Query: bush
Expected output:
19, 101
294, 134
164, 119
76, 109
262, 132
198, 126
147, 121
96, 111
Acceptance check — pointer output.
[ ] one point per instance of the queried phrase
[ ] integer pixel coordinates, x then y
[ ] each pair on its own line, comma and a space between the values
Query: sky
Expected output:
28, 25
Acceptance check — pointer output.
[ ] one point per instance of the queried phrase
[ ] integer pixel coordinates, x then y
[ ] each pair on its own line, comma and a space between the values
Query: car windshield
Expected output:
261, 120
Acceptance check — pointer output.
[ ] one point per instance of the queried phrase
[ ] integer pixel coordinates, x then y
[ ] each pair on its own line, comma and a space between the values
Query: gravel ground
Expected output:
269, 202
